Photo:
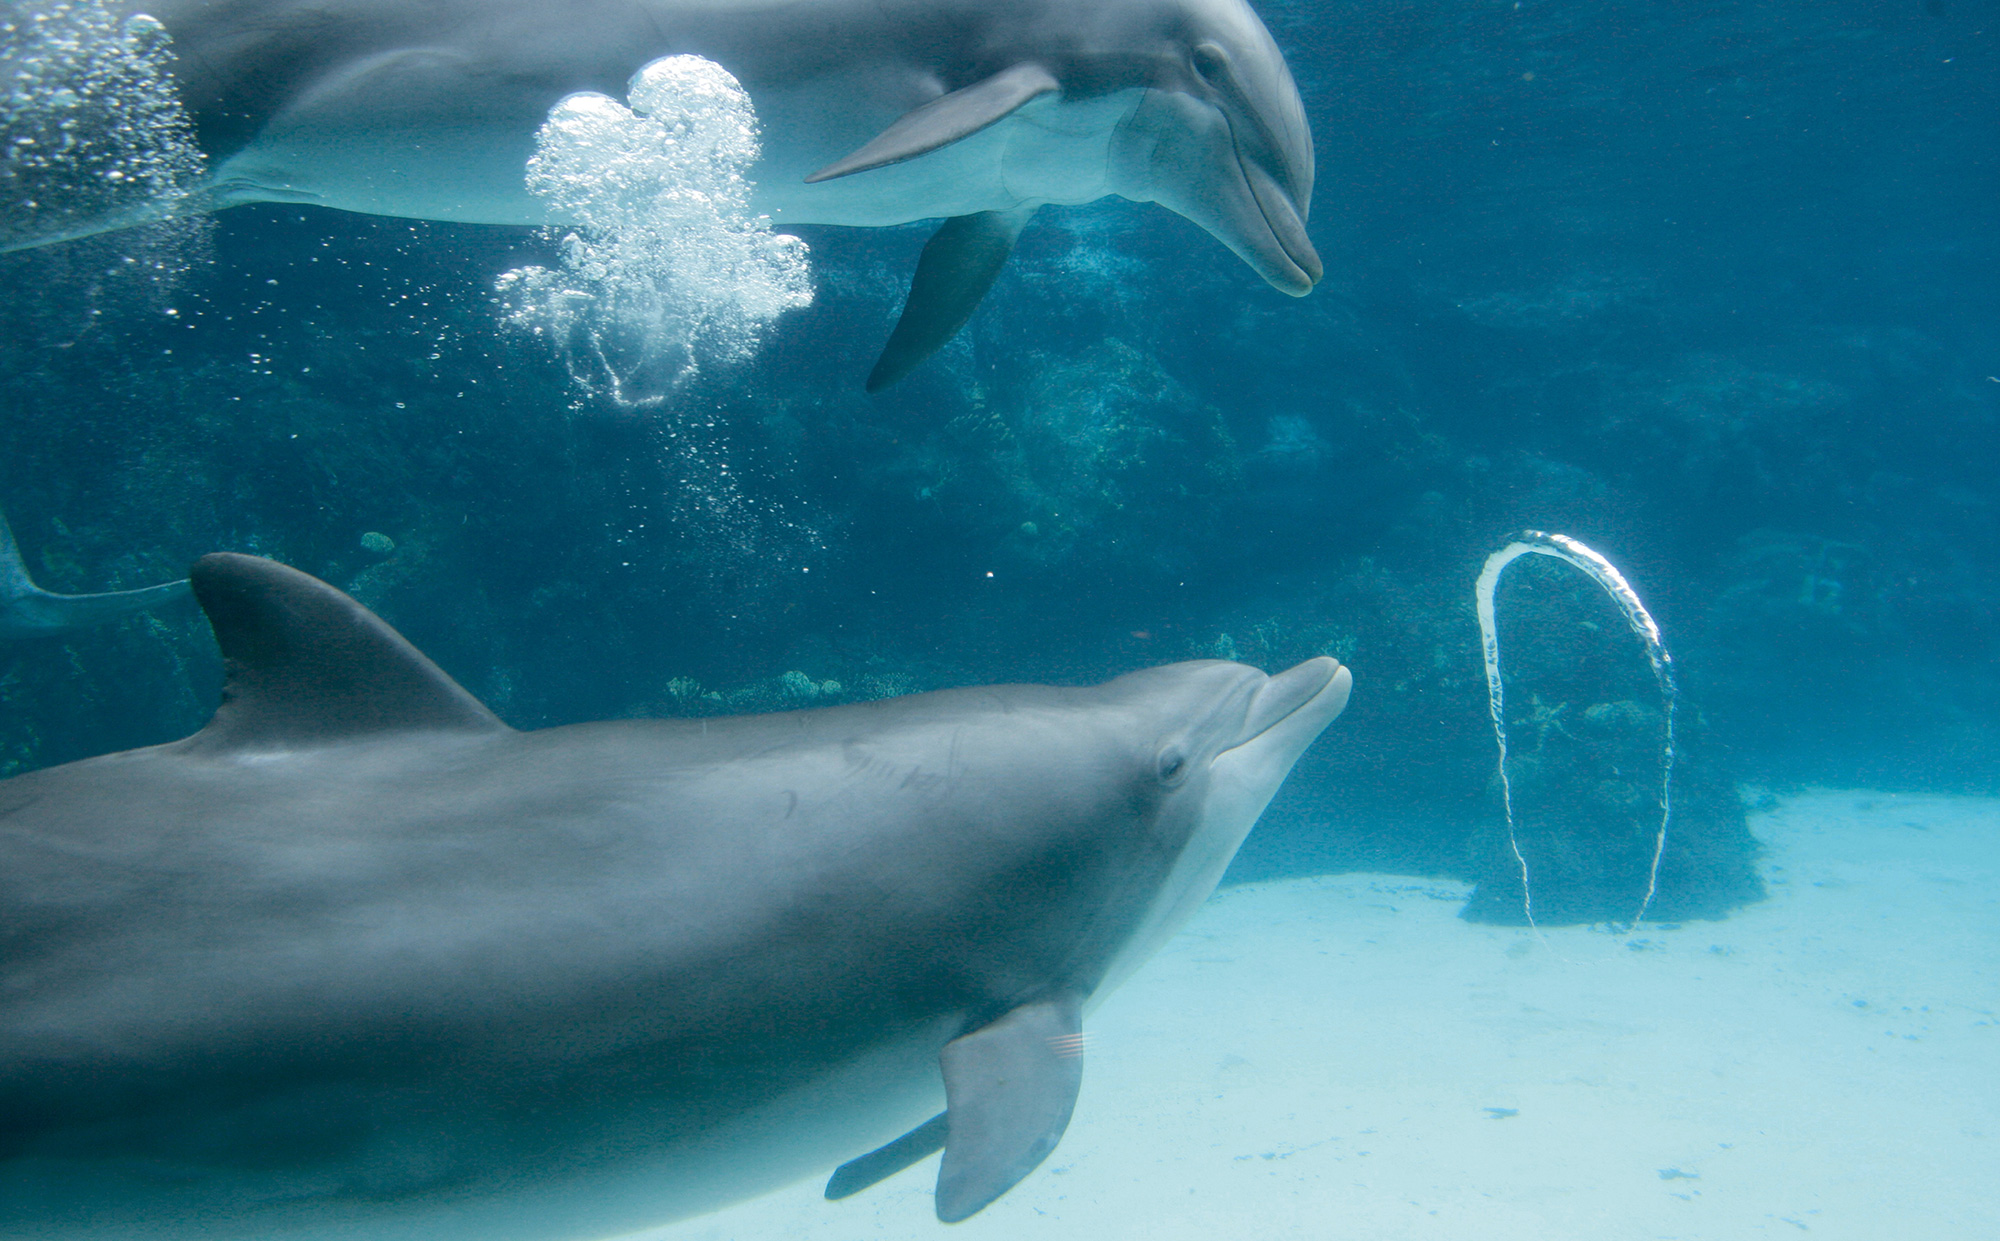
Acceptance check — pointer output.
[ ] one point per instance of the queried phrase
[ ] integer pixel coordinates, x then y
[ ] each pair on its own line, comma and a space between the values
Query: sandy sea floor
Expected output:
1343, 1057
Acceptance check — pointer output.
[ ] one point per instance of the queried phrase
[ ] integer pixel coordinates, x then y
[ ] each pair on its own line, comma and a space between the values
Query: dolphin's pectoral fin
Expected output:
946, 119
308, 665
1009, 1089
959, 263
26, 610
886, 1161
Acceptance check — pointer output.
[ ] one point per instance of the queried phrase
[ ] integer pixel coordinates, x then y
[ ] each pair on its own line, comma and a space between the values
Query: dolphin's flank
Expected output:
358, 959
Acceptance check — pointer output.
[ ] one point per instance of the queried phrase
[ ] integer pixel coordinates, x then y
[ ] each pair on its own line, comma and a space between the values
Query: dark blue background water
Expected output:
1712, 286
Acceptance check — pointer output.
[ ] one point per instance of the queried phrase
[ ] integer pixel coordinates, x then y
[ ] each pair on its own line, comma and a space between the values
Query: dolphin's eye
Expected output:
1211, 64
1173, 765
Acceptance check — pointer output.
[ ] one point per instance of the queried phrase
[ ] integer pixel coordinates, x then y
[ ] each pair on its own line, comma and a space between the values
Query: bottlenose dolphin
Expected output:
358, 960
28, 611
874, 112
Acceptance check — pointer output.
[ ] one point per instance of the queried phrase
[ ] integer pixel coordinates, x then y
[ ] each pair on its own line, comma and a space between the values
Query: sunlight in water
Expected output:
665, 269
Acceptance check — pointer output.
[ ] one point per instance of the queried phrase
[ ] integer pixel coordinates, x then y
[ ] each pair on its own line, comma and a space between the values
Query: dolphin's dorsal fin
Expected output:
1009, 1088
946, 119
307, 665
959, 263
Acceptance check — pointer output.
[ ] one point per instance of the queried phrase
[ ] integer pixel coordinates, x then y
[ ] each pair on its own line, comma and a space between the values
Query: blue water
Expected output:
1713, 287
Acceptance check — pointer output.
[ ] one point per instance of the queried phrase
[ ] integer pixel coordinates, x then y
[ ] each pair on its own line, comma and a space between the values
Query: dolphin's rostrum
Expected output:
874, 112
359, 960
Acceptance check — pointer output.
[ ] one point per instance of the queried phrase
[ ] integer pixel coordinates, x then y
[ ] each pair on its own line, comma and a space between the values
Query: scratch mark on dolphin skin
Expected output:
861, 761
791, 802
921, 779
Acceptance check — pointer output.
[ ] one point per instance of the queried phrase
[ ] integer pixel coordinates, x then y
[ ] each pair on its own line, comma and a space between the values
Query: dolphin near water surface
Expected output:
357, 960
28, 611
874, 112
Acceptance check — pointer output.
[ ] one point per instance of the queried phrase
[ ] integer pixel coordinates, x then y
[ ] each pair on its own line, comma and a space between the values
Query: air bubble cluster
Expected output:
92, 134
665, 268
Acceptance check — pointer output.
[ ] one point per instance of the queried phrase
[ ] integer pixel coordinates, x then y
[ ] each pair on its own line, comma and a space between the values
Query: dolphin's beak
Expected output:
1298, 703
1232, 171
1300, 269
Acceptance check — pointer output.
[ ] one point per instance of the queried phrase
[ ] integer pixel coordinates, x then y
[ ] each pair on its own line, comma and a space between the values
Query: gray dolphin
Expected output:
28, 611
358, 960
875, 112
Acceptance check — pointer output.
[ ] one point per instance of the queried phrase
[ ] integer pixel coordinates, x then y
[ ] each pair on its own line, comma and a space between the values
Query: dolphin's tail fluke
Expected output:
26, 610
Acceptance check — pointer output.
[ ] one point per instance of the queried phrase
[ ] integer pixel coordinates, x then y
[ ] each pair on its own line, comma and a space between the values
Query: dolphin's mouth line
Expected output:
1319, 691
1274, 192
1270, 181
1306, 262
1284, 223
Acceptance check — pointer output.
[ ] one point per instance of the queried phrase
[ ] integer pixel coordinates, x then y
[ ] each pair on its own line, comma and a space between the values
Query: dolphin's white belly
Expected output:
320, 151
843, 1112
